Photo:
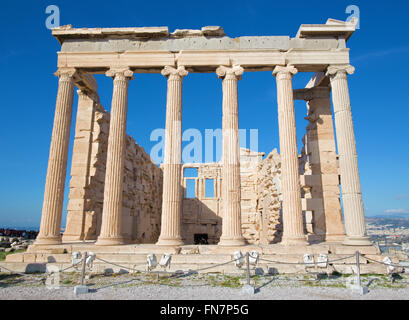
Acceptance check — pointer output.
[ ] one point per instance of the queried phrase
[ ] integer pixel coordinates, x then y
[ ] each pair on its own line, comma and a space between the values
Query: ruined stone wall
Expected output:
319, 173
142, 191
269, 199
202, 215
260, 200
260, 186
142, 199
250, 216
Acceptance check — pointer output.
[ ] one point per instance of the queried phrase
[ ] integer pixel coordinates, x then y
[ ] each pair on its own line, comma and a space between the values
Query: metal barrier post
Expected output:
247, 269
82, 288
357, 287
248, 288
84, 261
358, 270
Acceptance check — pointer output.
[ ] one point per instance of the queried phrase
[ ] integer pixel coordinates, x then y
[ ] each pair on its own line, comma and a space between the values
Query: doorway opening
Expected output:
201, 238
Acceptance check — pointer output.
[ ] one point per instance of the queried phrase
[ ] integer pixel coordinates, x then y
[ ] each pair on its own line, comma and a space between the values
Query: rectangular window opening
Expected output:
190, 173
190, 188
209, 188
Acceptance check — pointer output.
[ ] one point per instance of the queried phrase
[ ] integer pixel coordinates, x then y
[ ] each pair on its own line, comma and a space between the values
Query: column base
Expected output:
326, 237
110, 241
335, 237
294, 241
170, 242
48, 240
71, 238
357, 241
238, 241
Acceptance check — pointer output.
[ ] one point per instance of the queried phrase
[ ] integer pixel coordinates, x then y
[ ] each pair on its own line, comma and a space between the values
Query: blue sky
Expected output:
378, 89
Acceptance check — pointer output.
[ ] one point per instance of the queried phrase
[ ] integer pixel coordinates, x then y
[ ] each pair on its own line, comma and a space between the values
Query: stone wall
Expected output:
260, 186
319, 173
250, 216
142, 191
269, 199
260, 200
202, 215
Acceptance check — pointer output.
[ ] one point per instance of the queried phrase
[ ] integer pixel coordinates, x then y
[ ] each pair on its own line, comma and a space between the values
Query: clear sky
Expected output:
378, 89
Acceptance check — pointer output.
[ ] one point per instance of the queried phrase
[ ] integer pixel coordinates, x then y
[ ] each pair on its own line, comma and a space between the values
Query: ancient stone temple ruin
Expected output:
280, 203
119, 196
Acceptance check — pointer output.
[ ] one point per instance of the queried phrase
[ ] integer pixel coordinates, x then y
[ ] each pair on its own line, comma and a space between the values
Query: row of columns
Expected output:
172, 189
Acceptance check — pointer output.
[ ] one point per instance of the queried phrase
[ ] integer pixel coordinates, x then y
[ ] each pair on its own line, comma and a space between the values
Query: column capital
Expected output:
120, 72
233, 72
66, 72
341, 69
284, 71
170, 72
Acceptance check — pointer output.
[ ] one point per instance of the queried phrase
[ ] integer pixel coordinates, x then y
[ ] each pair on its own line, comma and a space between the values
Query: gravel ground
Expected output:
142, 287
157, 292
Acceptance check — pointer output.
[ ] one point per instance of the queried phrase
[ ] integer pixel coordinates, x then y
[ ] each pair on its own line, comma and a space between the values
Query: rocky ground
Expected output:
12, 244
209, 287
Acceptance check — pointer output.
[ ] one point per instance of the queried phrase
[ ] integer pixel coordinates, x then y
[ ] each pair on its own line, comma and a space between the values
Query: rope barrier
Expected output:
120, 266
213, 266
188, 272
303, 263
72, 266
12, 272
195, 271
381, 262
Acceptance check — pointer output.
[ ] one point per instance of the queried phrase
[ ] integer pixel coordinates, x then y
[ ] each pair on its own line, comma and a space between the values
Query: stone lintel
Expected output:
67, 32
330, 35
87, 83
204, 60
308, 94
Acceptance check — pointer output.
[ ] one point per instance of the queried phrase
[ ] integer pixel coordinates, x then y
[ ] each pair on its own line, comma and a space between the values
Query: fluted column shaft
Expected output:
231, 185
354, 218
172, 174
293, 230
112, 207
50, 227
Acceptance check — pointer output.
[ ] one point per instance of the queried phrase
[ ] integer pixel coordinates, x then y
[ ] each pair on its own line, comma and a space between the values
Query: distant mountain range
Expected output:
390, 215
395, 221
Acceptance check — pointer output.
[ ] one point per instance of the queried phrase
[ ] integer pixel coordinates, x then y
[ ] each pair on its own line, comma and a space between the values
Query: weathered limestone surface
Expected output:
116, 191
202, 215
319, 169
142, 185
57, 163
152, 48
231, 190
111, 233
79, 221
172, 188
293, 232
260, 200
348, 162
250, 224
209, 38
269, 199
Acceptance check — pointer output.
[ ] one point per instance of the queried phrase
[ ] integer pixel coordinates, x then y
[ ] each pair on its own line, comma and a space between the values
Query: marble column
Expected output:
354, 218
231, 189
172, 168
293, 229
112, 207
50, 227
